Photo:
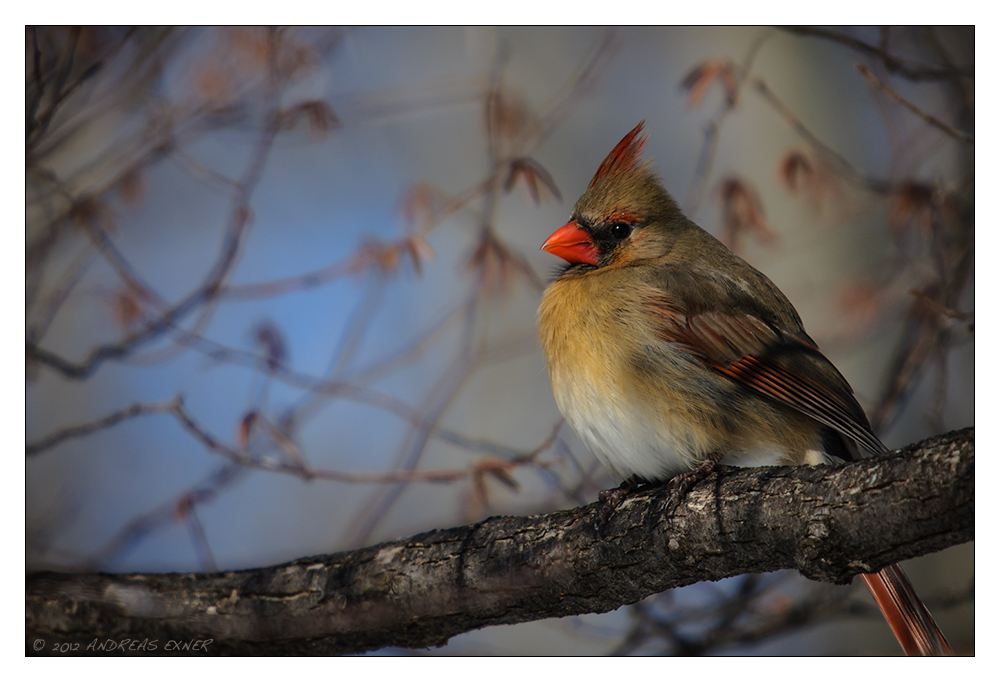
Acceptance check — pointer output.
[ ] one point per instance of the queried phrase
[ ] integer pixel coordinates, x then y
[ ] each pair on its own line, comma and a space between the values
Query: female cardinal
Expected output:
669, 354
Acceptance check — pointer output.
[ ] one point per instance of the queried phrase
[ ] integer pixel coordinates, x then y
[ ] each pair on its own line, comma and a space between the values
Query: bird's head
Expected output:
624, 216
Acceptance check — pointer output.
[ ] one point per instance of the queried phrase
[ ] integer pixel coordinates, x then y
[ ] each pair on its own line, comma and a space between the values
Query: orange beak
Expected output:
571, 243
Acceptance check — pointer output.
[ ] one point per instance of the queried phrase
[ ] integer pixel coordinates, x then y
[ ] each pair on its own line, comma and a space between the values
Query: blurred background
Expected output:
281, 284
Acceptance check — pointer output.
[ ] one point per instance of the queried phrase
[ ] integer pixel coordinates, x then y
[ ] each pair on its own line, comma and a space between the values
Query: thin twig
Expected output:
170, 512
937, 123
36, 129
86, 428
846, 168
249, 461
37, 126
440, 397
200, 540
199, 171
907, 69
181, 507
357, 262
53, 303
34, 97
239, 221
714, 127
100, 238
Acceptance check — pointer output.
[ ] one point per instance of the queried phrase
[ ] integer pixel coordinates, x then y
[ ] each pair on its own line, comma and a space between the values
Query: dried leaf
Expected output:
183, 507
534, 175
249, 46
507, 116
245, 429
742, 213
698, 80
132, 189
418, 250
243, 58
216, 83
799, 172
129, 308
388, 256
497, 265
377, 252
912, 204
500, 470
271, 342
422, 199
293, 58
794, 170
319, 116
92, 211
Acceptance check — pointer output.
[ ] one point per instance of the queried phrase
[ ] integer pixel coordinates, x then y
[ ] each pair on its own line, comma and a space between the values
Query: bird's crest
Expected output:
624, 158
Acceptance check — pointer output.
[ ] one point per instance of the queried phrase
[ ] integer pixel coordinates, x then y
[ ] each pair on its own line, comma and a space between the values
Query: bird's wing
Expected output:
782, 365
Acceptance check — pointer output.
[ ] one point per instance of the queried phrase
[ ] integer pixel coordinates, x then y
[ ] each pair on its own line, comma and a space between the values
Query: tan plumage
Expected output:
648, 407
668, 353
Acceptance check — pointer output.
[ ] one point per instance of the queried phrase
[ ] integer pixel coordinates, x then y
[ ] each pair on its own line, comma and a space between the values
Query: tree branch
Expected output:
937, 123
907, 69
829, 522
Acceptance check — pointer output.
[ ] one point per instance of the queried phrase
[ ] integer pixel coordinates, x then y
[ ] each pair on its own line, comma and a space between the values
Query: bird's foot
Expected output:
683, 482
612, 497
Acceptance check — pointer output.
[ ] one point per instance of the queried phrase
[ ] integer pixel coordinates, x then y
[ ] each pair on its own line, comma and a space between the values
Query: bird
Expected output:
669, 354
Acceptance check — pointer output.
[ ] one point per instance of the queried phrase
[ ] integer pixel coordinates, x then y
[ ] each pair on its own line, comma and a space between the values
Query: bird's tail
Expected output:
909, 619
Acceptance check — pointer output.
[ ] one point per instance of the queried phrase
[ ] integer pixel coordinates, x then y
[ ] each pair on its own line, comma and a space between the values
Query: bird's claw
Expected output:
612, 497
682, 483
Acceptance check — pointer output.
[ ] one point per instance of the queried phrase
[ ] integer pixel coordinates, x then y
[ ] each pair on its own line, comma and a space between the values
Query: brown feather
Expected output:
909, 619
624, 158
783, 365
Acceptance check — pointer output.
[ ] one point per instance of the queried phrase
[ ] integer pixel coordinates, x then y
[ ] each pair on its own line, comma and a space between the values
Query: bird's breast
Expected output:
595, 343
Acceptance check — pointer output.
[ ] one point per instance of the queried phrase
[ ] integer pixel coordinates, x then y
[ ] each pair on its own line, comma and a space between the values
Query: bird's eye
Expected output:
621, 230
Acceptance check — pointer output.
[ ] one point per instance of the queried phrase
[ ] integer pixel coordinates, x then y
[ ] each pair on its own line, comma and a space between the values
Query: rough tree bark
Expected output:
828, 522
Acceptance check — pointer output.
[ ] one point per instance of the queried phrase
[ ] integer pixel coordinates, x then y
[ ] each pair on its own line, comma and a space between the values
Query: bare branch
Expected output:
904, 68
108, 421
940, 125
237, 226
425, 589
